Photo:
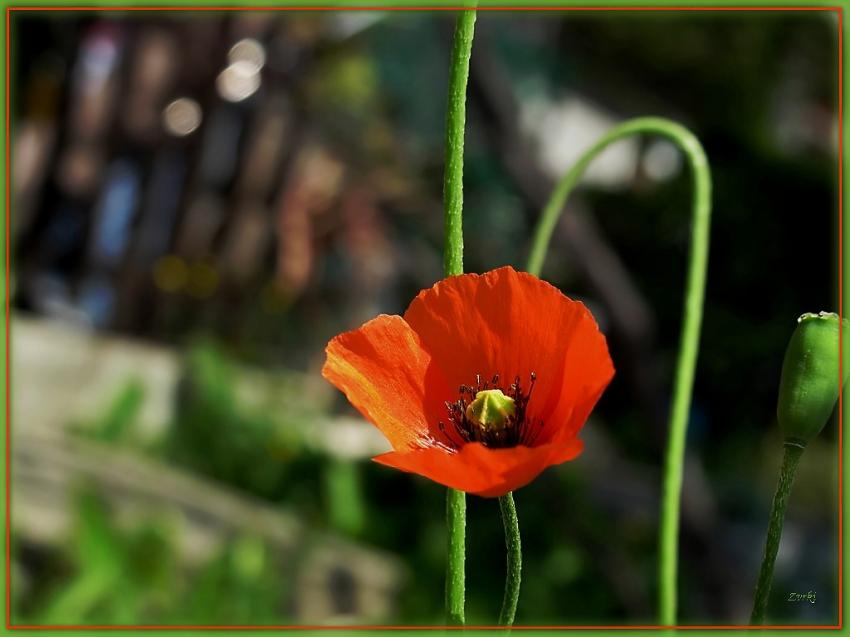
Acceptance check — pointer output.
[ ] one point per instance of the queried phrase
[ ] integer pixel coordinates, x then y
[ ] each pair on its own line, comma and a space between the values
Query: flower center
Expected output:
488, 414
491, 410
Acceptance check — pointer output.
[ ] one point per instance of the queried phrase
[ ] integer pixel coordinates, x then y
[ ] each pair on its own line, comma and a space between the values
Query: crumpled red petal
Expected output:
482, 471
384, 372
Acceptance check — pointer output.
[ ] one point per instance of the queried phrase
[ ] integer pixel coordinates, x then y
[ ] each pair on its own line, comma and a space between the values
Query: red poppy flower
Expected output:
483, 384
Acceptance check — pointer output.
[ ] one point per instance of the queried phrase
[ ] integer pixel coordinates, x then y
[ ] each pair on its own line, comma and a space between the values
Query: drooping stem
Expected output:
453, 264
514, 561
692, 320
790, 460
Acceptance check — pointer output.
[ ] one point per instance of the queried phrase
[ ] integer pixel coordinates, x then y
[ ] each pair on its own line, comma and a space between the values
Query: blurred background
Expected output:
201, 200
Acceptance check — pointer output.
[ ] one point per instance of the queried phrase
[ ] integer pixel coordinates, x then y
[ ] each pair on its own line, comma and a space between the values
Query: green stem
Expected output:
453, 264
514, 550
790, 460
689, 339
455, 125
456, 570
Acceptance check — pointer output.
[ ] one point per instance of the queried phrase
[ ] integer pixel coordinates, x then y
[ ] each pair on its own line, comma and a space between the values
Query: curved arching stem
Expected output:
692, 320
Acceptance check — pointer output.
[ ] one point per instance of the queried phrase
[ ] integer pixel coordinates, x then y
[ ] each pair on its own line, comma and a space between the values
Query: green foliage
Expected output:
216, 435
119, 418
116, 423
117, 577
126, 576
346, 509
239, 586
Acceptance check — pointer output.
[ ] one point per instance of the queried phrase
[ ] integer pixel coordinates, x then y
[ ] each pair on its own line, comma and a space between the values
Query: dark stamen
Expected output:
519, 430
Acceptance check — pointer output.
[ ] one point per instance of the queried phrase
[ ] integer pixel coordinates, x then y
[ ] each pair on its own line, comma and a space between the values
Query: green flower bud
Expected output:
491, 410
809, 386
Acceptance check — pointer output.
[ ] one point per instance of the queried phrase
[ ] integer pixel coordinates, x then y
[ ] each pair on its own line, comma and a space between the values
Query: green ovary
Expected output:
491, 410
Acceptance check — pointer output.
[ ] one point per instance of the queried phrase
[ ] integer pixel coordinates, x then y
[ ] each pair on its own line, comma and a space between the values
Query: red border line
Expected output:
154, 627
840, 316
422, 8
336, 627
8, 357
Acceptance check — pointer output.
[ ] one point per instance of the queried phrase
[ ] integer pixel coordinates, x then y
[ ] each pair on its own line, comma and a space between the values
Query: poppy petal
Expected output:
480, 470
513, 323
586, 373
385, 373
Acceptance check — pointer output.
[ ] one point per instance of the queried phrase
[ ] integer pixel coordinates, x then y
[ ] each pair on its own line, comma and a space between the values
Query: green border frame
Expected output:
838, 249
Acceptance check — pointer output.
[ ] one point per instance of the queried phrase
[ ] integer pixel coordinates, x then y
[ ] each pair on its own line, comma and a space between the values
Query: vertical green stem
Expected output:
453, 264
790, 460
514, 566
456, 570
455, 126
689, 339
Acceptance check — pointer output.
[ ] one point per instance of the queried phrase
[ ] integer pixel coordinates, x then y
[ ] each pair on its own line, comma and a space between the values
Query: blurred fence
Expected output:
170, 170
